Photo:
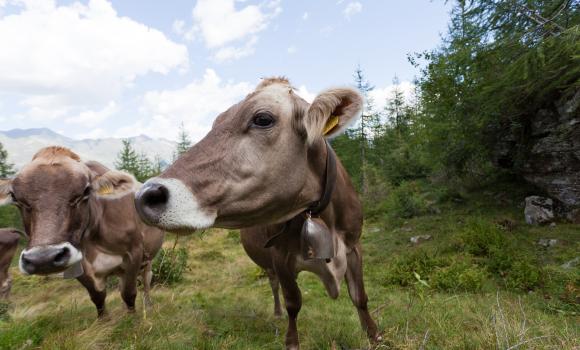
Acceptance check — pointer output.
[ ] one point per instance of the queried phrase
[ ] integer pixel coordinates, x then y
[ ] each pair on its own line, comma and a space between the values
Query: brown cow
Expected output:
81, 220
9, 238
263, 164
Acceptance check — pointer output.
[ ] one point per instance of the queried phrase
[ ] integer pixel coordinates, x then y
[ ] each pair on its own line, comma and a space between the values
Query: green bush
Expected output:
524, 275
169, 265
401, 270
481, 237
406, 201
459, 276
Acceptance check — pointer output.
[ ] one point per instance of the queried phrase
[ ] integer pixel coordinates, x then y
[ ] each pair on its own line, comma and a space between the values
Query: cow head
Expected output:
56, 193
261, 163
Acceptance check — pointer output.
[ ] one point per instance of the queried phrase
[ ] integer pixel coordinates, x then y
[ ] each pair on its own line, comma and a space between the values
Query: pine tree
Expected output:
183, 143
128, 159
6, 168
369, 124
396, 108
145, 168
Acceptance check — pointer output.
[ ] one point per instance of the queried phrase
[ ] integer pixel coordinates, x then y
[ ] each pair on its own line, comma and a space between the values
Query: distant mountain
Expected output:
22, 144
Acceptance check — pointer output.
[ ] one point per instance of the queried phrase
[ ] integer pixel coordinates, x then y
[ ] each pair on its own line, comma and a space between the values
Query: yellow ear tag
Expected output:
105, 190
331, 123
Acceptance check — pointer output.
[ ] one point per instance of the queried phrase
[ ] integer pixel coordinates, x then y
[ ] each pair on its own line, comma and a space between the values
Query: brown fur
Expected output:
53, 152
109, 233
9, 238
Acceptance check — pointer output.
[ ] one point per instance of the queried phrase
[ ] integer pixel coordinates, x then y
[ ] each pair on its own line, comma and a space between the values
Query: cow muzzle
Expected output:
47, 259
151, 202
169, 204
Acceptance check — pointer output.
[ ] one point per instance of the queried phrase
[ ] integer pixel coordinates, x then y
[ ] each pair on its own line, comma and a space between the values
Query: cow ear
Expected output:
332, 112
5, 191
114, 184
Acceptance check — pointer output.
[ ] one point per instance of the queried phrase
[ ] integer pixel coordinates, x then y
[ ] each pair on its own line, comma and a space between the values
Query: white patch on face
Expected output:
105, 263
182, 210
75, 254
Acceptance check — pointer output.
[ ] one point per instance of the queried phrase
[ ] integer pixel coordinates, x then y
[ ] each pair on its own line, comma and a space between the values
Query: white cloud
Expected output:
291, 49
178, 26
74, 59
327, 30
351, 9
230, 31
196, 105
305, 94
91, 118
228, 53
305, 16
381, 95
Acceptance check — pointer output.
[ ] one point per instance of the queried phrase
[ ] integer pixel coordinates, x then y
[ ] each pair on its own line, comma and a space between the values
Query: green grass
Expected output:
470, 299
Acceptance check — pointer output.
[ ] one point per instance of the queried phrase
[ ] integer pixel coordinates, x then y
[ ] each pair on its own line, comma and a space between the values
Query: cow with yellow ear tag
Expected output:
266, 167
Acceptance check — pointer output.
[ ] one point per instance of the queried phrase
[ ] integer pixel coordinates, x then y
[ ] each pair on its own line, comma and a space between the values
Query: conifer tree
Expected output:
6, 168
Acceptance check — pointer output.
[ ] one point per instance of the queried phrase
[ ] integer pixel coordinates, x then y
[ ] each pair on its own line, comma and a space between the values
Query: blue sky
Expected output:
96, 68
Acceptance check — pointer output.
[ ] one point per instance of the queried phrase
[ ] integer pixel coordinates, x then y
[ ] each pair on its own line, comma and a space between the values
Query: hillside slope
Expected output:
455, 301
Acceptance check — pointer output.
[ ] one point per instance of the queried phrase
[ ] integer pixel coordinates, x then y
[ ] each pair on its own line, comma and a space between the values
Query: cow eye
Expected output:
263, 120
87, 192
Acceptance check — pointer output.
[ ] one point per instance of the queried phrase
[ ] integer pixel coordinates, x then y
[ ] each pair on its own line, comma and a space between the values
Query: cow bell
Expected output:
316, 240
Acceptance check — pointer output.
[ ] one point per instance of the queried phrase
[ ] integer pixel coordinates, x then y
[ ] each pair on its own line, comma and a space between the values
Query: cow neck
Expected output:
329, 182
317, 207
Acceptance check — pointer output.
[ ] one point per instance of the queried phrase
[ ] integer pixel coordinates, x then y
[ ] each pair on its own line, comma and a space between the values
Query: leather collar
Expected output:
316, 208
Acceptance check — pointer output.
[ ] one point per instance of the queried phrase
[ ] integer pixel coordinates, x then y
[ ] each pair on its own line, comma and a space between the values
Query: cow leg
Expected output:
147, 275
356, 290
292, 297
128, 279
275, 284
97, 296
5, 285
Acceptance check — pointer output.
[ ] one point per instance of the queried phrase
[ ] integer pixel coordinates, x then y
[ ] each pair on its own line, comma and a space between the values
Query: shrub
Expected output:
459, 276
524, 275
402, 270
481, 237
169, 265
406, 201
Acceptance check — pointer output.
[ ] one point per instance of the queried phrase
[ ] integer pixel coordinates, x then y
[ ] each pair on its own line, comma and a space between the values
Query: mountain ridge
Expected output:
22, 144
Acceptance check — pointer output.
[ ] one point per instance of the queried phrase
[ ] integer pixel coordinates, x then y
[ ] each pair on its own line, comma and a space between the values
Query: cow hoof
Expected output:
377, 338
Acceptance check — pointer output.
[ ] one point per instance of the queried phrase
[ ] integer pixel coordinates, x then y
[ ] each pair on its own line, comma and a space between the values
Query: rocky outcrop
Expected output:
539, 210
545, 150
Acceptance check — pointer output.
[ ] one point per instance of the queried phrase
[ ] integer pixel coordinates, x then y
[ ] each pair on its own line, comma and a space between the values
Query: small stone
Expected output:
374, 230
553, 225
420, 238
546, 242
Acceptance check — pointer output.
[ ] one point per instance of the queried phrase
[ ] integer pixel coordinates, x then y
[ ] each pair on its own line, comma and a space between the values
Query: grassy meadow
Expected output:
481, 282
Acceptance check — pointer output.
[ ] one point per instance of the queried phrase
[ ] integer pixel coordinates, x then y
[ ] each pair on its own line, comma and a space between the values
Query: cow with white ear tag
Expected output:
266, 167
80, 220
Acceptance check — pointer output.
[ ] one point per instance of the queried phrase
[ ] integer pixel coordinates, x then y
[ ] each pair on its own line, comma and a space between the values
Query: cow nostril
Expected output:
25, 260
62, 257
155, 196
